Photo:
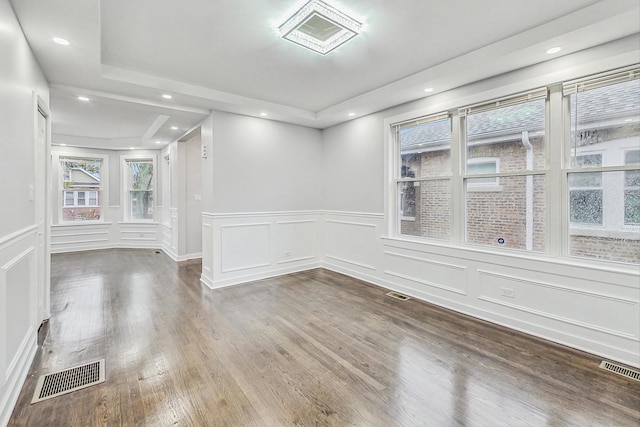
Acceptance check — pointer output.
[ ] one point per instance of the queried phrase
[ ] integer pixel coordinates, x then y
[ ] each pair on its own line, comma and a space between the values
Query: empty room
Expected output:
320, 213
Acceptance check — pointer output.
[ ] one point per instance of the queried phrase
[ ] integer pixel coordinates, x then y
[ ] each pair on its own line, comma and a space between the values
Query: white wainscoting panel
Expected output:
352, 242
570, 305
296, 240
442, 276
139, 235
245, 246
242, 247
79, 237
18, 313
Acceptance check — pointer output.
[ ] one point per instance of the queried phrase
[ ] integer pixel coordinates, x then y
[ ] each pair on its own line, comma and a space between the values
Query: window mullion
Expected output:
457, 183
556, 188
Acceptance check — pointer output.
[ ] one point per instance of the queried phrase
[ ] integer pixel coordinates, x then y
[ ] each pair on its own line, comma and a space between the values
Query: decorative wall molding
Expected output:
427, 261
14, 237
537, 283
257, 214
358, 264
424, 282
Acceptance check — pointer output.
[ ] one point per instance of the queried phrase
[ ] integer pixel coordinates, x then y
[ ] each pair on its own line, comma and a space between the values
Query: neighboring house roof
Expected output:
612, 102
90, 177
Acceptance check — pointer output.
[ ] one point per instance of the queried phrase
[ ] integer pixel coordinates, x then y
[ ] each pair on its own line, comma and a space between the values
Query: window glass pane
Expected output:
632, 207
513, 134
141, 205
68, 198
632, 157
585, 206
424, 208
482, 167
605, 119
425, 149
82, 177
141, 175
604, 221
513, 217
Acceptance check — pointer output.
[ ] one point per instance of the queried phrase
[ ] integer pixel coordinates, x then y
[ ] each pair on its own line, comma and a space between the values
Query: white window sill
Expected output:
80, 223
591, 263
149, 222
628, 233
477, 188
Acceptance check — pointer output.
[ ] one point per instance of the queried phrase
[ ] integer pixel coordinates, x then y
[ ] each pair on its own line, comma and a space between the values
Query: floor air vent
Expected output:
620, 370
398, 296
72, 379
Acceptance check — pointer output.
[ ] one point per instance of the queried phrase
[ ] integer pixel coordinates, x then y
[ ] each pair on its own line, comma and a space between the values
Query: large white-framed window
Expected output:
504, 157
81, 187
138, 185
555, 170
602, 161
422, 176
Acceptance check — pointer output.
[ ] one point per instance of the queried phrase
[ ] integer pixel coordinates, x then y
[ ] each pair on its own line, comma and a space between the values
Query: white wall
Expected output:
262, 166
113, 231
20, 78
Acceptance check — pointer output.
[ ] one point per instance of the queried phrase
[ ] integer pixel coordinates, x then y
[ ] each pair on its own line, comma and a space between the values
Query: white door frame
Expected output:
42, 195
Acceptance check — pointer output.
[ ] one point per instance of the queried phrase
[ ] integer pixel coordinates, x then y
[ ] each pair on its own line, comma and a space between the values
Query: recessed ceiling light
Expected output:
158, 142
61, 41
352, 114
63, 145
429, 89
319, 27
83, 98
264, 114
554, 50
174, 127
132, 148
167, 96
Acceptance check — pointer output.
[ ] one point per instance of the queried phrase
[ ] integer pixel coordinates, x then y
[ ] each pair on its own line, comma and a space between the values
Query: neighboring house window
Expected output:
81, 187
139, 183
632, 189
504, 191
603, 178
585, 191
483, 166
423, 176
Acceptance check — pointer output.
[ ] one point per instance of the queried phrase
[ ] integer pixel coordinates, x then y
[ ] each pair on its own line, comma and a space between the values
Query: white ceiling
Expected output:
226, 55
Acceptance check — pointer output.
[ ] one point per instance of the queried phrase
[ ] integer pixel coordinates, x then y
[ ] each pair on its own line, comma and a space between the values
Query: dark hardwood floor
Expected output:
308, 349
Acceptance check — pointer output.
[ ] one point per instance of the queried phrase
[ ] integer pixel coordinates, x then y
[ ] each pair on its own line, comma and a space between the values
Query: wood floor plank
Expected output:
315, 348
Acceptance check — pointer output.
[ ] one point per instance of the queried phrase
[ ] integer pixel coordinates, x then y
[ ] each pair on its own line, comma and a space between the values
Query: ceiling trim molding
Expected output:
130, 99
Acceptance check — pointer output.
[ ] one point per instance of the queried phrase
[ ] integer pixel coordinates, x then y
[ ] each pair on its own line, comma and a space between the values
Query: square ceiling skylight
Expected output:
319, 27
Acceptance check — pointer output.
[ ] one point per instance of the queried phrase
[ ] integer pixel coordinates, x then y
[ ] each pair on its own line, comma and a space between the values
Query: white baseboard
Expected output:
239, 280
